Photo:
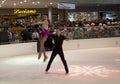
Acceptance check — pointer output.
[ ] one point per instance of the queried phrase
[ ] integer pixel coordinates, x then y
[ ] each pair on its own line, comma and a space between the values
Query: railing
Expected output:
88, 32
92, 32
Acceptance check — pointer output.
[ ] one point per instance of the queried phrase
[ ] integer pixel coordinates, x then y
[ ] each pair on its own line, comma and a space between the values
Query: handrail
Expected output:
78, 33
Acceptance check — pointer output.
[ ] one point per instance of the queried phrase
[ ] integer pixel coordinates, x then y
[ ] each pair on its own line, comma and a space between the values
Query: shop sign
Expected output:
25, 11
66, 6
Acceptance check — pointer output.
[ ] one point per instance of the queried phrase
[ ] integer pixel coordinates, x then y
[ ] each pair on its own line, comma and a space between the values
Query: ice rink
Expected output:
87, 66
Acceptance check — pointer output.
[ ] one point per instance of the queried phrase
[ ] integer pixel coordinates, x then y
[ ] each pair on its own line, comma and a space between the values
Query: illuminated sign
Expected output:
24, 11
66, 6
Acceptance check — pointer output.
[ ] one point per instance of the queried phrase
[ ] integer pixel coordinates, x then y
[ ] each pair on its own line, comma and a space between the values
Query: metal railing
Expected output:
92, 32
88, 32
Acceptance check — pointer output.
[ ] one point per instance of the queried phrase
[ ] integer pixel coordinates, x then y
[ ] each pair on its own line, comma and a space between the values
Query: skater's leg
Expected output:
44, 52
41, 47
50, 61
64, 61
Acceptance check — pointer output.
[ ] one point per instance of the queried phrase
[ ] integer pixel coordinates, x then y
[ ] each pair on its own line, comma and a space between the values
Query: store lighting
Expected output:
25, 1
14, 4
33, 2
3, 1
51, 3
21, 2
38, 2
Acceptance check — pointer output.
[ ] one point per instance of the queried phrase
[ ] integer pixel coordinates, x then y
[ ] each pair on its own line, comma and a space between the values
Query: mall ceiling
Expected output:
53, 3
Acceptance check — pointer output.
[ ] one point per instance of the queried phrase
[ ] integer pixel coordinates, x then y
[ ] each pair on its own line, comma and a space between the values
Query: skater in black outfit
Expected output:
58, 39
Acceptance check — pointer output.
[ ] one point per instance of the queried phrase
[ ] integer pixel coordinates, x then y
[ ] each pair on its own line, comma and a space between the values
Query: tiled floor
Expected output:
87, 66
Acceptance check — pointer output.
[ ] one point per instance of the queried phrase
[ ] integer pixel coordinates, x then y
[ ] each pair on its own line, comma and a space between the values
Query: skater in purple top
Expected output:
44, 36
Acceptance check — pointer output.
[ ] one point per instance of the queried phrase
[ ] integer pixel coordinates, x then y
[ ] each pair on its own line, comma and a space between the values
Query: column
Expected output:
50, 14
65, 14
119, 13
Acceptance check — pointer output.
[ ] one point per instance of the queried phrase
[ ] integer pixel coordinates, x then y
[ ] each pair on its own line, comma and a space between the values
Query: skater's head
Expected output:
58, 31
45, 17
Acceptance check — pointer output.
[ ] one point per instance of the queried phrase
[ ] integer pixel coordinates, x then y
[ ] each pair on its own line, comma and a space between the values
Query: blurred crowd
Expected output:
73, 30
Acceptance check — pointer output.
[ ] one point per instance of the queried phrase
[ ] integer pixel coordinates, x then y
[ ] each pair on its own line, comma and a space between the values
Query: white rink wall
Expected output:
31, 48
18, 49
91, 43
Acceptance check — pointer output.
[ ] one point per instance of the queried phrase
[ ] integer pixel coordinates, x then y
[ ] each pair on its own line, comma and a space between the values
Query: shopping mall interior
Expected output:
92, 48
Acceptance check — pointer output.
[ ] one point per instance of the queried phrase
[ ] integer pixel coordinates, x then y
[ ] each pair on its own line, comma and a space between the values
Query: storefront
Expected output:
91, 16
81, 16
30, 15
90, 13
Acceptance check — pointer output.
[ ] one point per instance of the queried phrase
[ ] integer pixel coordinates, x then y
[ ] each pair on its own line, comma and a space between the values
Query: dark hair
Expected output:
59, 28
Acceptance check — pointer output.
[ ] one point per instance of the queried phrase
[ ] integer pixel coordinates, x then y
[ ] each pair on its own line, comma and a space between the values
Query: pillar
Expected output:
50, 14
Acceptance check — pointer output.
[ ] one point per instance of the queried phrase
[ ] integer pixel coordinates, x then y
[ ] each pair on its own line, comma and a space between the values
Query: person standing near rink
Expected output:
58, 41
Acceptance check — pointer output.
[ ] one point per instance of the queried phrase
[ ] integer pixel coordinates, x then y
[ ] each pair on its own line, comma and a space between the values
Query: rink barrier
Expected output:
91, 43
17, 49
31, 48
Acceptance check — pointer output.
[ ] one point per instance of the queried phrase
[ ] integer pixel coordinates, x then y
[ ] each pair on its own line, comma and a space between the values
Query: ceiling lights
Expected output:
14, 4
51, 3
25, 1
21, 2
33, 2
36, 3
2, 2
25, 4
